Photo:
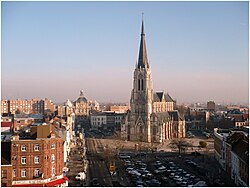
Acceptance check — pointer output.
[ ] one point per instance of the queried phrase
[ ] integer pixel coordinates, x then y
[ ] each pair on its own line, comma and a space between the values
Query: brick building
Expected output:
37, 160
6, 124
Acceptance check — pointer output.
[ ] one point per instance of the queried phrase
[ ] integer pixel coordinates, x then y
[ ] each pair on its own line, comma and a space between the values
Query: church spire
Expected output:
143, 59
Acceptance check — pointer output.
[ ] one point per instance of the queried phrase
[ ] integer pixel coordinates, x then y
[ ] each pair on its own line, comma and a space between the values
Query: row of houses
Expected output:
106, 118
232, 153
16, 122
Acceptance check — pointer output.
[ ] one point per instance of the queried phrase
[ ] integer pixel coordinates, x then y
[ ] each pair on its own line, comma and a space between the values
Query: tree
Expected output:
182, 145
203, 144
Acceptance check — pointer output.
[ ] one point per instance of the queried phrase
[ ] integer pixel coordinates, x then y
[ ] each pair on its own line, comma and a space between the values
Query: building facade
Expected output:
100, 119
32, 106
81, 105
148, 119
232, 152
211, 106
36, 161
119, 108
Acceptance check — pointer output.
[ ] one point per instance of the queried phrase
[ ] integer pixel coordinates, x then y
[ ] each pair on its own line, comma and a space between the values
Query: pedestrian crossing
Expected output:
96, 162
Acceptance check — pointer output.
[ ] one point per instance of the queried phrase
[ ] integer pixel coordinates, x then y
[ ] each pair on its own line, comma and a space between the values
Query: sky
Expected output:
198, 51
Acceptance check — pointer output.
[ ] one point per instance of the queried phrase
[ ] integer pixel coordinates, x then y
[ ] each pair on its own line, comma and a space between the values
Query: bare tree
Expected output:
181, 144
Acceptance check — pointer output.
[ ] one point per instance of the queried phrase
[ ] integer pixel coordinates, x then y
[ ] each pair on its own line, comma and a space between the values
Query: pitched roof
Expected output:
161, 97
234, 138
157, 97
161, 115
168, 98
175, 115
241, 149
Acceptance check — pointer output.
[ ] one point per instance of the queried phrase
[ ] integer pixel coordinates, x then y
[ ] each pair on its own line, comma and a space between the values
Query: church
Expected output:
152, 116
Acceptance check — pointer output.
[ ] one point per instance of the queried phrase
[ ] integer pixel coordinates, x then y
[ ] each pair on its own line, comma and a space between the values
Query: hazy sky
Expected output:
198, 51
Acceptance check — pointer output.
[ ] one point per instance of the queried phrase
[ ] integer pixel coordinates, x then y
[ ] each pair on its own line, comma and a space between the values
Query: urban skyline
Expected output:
80, 45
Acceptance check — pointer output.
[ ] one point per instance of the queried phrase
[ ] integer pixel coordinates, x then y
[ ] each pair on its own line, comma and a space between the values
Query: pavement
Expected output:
75, 166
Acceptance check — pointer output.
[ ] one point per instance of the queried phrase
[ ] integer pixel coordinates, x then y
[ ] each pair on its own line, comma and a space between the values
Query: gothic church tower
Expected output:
141, 97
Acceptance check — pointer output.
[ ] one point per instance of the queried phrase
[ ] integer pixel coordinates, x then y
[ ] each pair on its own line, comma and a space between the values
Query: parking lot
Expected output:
160, 166
167, 169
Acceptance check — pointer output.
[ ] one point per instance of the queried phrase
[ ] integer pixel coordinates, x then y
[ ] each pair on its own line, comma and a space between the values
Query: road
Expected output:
97, 167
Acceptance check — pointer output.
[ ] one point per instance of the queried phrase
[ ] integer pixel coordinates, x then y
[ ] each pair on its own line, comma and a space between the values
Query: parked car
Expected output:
164, 179
94, 182
123, 157
200, 184
153, 182
172, 175
184, 184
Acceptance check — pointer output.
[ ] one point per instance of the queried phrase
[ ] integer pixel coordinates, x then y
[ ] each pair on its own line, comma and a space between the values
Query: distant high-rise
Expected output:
211, 105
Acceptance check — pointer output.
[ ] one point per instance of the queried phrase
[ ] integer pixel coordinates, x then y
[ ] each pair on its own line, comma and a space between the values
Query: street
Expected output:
97, 167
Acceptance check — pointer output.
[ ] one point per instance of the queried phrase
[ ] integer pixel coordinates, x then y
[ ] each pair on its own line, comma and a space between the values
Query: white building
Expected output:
97, 120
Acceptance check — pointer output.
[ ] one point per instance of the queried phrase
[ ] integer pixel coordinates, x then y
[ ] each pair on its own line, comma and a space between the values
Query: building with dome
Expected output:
81, 105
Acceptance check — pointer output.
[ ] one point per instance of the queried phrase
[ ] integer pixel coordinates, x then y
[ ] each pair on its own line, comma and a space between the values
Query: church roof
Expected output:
143, 58
161, 115
161, 96
175, 115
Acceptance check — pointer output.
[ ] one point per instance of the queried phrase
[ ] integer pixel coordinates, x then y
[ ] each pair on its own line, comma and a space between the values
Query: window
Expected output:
23, 148
53, 158
4, 173
36, 159
23, 173
23, 160
36, 147
53, 146
36, 172
53, 171
14, 173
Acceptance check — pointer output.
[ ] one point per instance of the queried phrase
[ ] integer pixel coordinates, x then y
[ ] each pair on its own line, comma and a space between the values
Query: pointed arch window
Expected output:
142, 84
139, 84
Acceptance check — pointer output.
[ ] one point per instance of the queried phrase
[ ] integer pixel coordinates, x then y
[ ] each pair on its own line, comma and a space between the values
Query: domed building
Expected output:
81, 105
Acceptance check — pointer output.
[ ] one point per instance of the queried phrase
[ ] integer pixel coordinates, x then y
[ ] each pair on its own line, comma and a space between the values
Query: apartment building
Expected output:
36, 160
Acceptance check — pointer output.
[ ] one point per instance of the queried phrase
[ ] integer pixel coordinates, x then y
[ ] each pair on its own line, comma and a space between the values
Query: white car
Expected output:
81, 176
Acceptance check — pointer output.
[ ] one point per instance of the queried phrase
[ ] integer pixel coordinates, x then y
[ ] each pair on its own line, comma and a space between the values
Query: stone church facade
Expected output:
152, 116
